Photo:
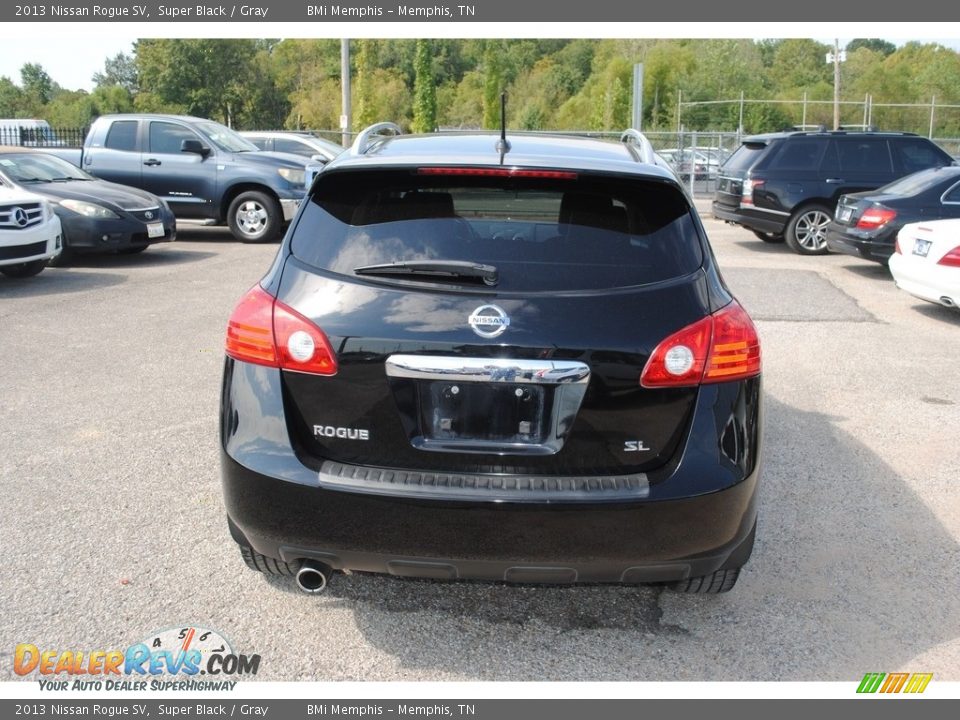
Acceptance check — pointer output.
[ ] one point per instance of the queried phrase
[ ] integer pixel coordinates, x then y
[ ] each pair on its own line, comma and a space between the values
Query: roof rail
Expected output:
368, 136
645, 149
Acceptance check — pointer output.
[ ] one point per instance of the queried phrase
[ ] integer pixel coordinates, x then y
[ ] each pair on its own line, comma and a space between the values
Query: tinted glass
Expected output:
122, 135
953, 194
802, 153
542, 235
225, 138
864, 155
916, 154
918, 182
166, 137
744, 157
292, 146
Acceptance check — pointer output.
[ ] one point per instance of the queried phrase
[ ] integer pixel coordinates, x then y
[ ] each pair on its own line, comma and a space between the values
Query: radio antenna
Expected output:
503, 145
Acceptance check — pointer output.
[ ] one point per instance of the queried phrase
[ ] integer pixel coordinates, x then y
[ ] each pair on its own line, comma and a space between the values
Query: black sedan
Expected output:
866, 223
97, 216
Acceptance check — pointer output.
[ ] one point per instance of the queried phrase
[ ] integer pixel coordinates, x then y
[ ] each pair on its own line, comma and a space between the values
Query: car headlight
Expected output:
293, 176
47, 210
90, 210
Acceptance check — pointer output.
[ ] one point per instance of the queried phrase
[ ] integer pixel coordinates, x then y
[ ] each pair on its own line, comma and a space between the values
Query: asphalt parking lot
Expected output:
113, 526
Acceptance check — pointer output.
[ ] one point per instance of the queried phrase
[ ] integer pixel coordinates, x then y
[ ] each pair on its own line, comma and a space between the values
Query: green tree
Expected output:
120, 70
37, 89
493, 82
884, 47
205, 77
424, 91
365, 85
10, 98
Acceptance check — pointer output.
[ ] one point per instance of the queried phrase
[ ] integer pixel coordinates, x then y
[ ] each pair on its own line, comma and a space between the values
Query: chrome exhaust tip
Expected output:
312, 577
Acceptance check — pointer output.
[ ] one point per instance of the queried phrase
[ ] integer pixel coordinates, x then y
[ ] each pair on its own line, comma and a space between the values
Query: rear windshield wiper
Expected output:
487, 274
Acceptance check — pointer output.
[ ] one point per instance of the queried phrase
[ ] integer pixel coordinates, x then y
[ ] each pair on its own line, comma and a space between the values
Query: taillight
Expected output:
720, 347
264, 331
746, 197
876, 217
951, 259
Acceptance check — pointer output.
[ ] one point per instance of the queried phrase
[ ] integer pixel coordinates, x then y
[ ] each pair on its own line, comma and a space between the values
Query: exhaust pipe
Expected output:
312, 577
948, 302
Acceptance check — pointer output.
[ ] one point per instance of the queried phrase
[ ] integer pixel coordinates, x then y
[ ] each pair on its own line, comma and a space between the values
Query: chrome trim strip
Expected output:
466, 369
766, 210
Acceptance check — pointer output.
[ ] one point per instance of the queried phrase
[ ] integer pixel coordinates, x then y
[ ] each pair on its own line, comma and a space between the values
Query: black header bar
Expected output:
501, 11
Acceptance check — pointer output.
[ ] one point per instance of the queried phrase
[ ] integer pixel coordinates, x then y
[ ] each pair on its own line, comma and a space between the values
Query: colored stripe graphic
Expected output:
870, 682
918, 682
894, 682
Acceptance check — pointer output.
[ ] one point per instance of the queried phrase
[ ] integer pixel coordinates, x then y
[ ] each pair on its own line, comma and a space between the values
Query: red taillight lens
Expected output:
250, 329
721, 347
264, 331
498, 172
951, 259
875, 218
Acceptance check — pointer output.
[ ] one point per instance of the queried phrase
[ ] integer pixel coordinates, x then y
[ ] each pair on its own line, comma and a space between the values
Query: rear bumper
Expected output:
619, 543
751, 218
925, 280
696, 516
876, 249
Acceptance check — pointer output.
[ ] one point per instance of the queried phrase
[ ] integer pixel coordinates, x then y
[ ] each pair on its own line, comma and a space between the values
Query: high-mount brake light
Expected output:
718, 348
499, 172
264, 331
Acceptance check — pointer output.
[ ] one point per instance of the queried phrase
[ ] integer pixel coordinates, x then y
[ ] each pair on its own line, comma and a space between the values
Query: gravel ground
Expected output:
114, 526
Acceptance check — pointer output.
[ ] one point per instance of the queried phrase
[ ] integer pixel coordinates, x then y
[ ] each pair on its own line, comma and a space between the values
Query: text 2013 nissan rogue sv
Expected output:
497, 359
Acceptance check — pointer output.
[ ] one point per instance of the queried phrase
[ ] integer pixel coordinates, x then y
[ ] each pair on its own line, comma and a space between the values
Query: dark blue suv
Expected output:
785, 186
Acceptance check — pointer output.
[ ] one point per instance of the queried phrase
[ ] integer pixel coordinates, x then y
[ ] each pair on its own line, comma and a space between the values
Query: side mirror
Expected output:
194, 146
320, 159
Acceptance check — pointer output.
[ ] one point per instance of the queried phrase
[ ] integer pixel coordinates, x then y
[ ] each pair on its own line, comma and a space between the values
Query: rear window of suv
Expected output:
542, 234
744, 157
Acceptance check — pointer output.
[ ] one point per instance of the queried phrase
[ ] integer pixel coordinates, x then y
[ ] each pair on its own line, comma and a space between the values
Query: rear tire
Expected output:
806, 233
720, 581
768, 237
24, 270
266, 565
255, 217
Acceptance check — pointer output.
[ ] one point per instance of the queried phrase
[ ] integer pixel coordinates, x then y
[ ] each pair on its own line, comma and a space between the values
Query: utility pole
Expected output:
836, 57
345, 91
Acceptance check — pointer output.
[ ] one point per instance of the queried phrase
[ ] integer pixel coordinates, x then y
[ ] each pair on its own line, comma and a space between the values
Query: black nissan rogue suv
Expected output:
507, 359
785, 186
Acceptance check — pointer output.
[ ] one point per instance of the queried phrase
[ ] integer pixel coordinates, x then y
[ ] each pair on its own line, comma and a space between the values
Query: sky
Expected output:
71, 62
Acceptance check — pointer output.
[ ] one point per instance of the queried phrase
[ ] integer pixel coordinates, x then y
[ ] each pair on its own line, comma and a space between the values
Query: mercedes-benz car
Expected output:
494, 358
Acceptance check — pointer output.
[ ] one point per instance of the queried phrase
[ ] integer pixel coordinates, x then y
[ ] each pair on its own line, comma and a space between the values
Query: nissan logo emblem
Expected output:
20, 216
489, 321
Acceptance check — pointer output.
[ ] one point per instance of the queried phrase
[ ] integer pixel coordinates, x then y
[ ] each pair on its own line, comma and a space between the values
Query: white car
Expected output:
926, 261
30, 233
298, 143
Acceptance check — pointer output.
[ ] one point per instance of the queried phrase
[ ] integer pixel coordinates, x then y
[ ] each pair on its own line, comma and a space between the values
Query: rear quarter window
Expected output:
744, 157
587, 233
